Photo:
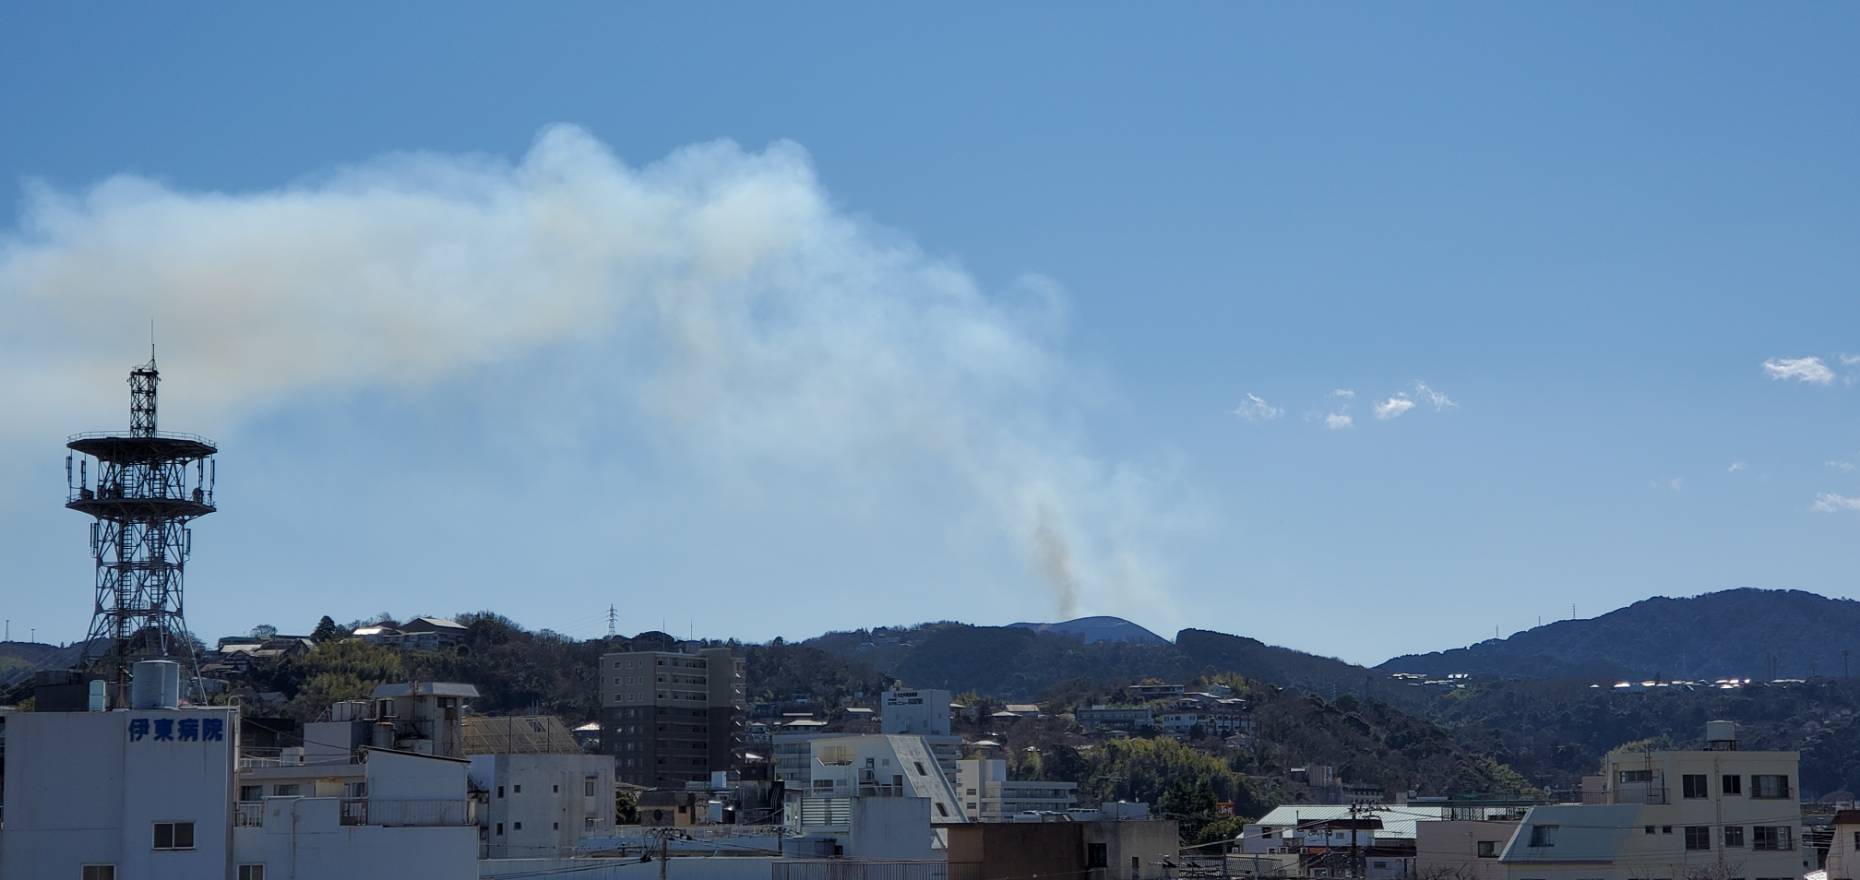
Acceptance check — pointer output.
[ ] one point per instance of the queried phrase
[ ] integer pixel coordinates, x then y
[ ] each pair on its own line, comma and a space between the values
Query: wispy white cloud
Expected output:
1845, 467
1394, 407
1339, 421
1256, 409
1434, 398
1735, 467
1343, 393
1850, 360
1828, 502
1802, 369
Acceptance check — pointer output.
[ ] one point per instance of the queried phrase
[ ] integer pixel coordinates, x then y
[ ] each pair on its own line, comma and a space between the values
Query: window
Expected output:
251, 792
588, 786
1769, 785
1773, 837
555, 789
1650, 829
1631, 777
942, 810
290, 789
516, 789
1731, 784
1692, 785
1666, 829
1698, 836
1857, 840
500, 827
1543, 835
1096, 856
587, 823
920, 768
1488, 849
174, 835
99, 872
516, 826
251, 872
1733, 837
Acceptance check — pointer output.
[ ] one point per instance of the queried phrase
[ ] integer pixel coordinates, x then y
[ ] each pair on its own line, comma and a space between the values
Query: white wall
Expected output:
80, 791
303, 839
734, 868
537, 803
924, 712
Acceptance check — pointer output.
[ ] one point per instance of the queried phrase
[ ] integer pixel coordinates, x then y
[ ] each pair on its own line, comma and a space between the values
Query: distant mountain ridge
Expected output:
1098, 629
1742, 633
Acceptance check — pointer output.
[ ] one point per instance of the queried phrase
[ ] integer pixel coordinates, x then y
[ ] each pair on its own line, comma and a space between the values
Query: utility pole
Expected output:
665, 849
1356, 864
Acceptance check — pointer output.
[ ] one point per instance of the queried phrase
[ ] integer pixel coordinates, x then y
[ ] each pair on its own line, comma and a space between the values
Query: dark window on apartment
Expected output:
251, 872
174, 835
1650, 829
99, 872
1698, 836
555, 789
920, 768
1733, 837
1488, 849
1731, 784
1666, 829
588, 785
1097, 856
1775, 785
1857, 840
500, 829
516, 826
516, 789
500, 791
1777, 838
1543, 835
1629, 777
942, 811
1693, 785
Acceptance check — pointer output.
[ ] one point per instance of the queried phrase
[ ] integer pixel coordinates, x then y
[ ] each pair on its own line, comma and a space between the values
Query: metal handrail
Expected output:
158, 435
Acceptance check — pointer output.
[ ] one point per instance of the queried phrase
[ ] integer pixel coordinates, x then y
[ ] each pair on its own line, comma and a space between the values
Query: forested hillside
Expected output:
1742, 633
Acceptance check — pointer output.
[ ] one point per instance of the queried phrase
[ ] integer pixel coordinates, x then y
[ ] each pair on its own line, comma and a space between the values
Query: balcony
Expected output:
380, 813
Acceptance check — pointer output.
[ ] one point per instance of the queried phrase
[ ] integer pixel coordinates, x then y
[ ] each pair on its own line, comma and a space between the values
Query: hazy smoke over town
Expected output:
751, 321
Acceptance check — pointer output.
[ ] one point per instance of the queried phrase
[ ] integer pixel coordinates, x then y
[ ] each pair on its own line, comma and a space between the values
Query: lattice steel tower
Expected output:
148, 485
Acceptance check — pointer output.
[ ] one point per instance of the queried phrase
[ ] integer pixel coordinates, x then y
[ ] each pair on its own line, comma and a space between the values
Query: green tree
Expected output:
325, 630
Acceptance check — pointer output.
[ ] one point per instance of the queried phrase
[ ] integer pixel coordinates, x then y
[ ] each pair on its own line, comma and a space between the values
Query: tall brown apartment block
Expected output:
670, 717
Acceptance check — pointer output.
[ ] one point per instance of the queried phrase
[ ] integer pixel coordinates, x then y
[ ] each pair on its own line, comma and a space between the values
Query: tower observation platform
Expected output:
142, 488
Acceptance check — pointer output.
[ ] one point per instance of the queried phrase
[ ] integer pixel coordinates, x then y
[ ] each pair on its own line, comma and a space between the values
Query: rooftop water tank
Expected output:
155, 684
1721, 735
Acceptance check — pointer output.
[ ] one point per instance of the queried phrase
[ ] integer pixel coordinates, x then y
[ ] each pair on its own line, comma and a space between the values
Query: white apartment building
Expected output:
923, 712
1717, 812
541, 805
988, 795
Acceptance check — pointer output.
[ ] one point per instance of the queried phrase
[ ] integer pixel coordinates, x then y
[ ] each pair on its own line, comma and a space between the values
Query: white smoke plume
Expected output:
750, 317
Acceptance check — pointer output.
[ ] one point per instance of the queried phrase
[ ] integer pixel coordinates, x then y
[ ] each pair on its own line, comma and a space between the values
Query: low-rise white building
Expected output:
1716, 812
143, 794
541, 805
988, 795
923, 712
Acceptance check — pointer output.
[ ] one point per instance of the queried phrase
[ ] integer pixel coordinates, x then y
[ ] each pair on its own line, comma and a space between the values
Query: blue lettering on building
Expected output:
170, 730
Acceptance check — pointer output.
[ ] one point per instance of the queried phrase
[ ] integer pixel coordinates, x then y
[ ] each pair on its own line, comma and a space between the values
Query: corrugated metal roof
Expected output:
1398, 820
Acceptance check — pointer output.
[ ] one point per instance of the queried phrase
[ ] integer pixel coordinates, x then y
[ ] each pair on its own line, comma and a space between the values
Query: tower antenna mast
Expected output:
148, 486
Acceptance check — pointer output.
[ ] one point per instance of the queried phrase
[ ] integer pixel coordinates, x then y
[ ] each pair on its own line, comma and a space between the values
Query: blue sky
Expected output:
1007, 278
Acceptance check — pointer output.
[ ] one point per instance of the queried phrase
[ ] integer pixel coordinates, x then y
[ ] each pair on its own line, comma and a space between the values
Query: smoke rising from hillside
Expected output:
754, 321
